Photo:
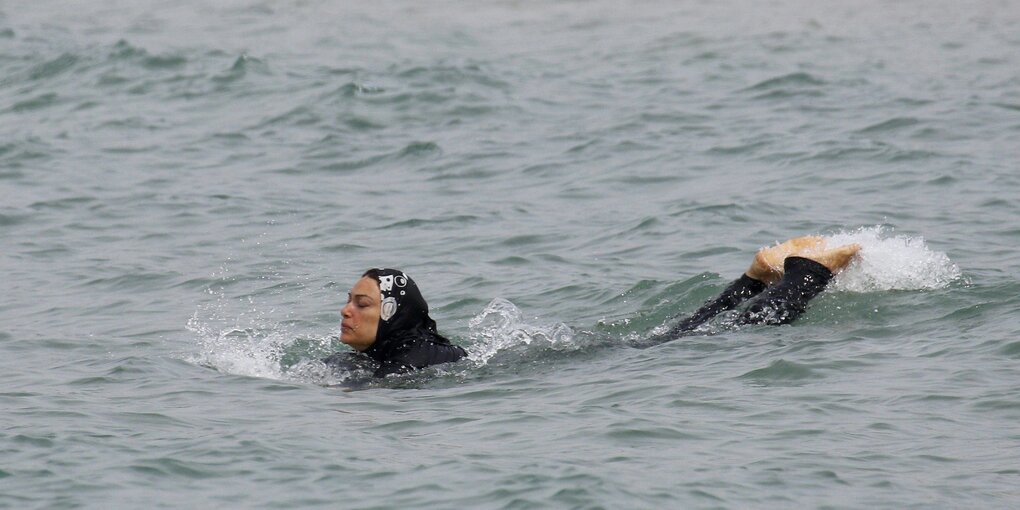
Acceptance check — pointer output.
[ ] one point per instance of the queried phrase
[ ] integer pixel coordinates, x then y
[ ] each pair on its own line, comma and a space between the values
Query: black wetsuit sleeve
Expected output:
741, 290
802, 280
781, 303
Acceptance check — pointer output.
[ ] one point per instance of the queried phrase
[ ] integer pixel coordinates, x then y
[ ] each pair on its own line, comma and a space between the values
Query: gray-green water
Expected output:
189, 189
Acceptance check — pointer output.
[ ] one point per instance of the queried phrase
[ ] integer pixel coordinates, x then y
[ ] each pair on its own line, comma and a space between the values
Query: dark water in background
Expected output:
188, 190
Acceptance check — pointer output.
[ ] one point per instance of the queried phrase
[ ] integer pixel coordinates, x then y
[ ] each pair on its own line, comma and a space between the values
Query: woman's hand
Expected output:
835, 259
768, 262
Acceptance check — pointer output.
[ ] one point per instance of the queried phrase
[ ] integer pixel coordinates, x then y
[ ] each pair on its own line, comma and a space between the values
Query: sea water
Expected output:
188, 191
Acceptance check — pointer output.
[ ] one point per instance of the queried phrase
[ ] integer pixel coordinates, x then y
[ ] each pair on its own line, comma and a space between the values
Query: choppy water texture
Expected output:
189, 189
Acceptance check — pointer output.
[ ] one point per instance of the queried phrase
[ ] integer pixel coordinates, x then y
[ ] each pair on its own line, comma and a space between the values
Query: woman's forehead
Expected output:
366, 286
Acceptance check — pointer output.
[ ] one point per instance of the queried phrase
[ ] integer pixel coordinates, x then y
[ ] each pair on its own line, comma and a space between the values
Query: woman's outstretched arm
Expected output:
741, 290
800, 269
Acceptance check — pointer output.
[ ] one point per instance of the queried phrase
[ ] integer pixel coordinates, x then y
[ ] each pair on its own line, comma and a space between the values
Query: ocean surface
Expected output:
189, 189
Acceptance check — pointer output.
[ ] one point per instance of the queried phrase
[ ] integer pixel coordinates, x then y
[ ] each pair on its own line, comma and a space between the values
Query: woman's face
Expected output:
361, 314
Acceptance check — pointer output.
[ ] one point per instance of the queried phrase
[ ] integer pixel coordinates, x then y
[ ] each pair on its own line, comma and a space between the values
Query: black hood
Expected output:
403, 312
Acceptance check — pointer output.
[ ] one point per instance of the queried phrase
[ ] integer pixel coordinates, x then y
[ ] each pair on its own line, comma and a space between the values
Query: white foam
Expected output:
891, 262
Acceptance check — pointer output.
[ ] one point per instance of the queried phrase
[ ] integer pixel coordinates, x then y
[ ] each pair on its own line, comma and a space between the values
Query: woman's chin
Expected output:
355, 343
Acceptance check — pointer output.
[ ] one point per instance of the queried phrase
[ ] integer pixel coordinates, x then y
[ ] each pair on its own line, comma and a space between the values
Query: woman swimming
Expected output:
786, 275
387, 319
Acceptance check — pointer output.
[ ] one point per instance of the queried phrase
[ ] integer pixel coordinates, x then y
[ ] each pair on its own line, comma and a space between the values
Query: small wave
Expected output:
787, 80
459, 74
36, 103
1008, 106
9, 220
411, 151
53, 67
420, 149
788, 86
893, 124
781, 370
892, 262
14, 153
443, 221
872, 151
124, 50
354, 89
242, 67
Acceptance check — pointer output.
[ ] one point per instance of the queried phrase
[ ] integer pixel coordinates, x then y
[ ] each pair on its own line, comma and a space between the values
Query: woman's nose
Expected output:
345, 311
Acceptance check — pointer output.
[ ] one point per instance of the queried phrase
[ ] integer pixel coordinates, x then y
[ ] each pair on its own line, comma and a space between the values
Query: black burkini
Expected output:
407, 338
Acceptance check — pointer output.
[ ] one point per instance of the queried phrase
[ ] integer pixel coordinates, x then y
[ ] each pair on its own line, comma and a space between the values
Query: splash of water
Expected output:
892, 262
501, 327
250, 351
250, 343
263, 351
